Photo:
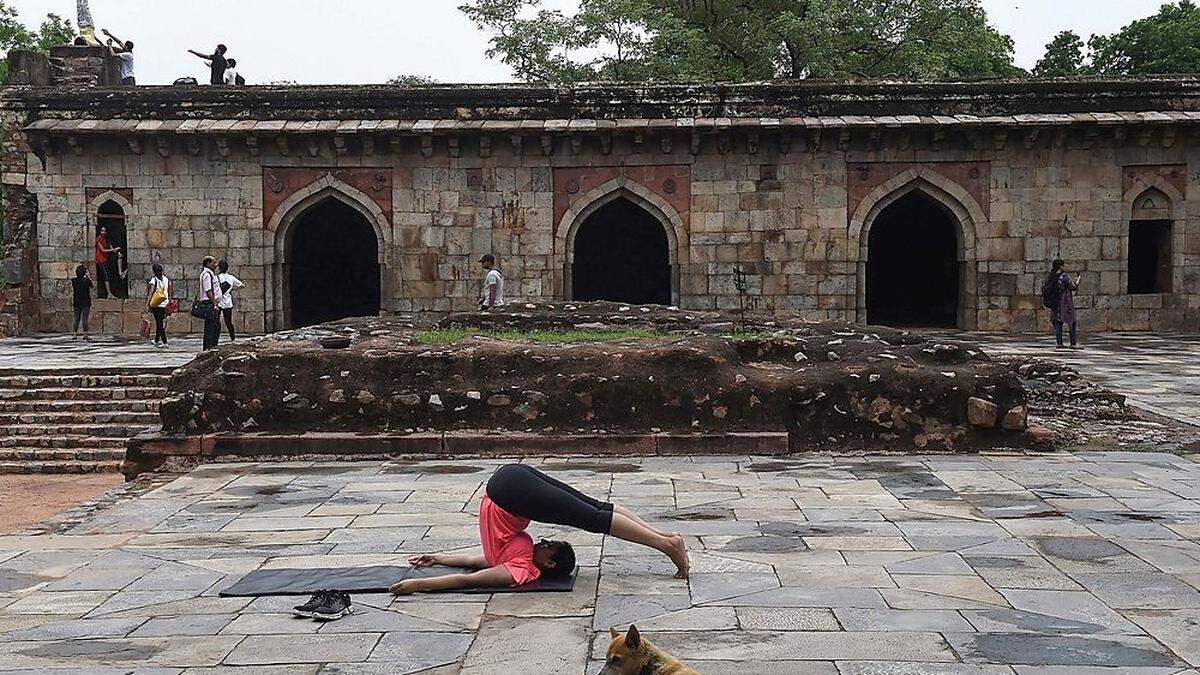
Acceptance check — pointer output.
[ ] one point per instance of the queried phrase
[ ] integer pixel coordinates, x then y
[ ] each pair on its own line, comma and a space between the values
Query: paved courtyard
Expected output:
972, 564
1159, 373
53, 352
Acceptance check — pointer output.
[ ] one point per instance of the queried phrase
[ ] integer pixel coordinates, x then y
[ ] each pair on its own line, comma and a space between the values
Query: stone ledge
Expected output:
152, 451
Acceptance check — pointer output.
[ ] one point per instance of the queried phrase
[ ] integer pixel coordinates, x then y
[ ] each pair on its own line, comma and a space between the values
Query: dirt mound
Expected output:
826, 384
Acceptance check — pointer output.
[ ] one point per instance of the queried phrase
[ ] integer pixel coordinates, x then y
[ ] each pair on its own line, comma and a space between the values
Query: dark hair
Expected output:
223, 266
221, 49
488, 258
233, 63
80, 41
564, 561
158, 270
129, 45
1055, 268
80, 271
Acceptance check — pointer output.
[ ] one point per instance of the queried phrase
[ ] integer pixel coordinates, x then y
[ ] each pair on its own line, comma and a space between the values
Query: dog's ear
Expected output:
613, 631
633, 639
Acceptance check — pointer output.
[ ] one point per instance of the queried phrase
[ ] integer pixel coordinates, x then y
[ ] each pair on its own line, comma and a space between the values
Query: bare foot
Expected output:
678, 552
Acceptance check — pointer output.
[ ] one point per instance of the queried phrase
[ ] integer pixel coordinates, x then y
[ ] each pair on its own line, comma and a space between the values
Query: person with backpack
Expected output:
1058, 296
229, 284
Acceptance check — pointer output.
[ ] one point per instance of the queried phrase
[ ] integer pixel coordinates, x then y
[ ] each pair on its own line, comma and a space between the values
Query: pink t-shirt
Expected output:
505, 542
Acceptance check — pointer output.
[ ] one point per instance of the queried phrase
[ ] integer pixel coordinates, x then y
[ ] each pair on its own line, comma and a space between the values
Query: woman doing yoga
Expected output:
516, 495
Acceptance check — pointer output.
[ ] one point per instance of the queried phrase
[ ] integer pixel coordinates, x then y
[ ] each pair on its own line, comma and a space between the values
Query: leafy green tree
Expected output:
54, 30
627, 40
1167, 42
1066, 55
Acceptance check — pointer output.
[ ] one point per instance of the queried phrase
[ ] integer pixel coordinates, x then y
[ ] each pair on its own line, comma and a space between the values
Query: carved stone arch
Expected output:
617, 188
966, 212
110, 196
1146, 186
291, 211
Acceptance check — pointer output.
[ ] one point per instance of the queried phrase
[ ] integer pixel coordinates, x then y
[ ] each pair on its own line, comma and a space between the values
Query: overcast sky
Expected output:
364, 41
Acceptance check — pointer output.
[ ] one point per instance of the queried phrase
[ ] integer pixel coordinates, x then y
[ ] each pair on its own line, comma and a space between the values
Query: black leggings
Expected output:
228, 314
528, 493
160, 329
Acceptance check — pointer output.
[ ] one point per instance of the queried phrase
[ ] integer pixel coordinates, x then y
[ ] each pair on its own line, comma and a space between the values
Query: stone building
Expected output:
885, 202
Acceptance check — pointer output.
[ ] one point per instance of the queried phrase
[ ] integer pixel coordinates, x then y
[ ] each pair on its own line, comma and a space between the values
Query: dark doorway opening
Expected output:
1150, 256
110, 218
622, 255
333, 265
912, 265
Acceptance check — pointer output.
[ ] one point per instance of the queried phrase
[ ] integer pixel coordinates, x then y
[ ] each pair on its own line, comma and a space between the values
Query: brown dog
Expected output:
632, 654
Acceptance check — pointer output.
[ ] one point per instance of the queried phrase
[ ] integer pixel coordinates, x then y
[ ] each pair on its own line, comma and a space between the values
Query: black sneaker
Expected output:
335, 606
306, 610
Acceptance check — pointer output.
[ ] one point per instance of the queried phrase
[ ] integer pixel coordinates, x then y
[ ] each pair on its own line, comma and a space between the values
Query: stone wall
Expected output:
794, 218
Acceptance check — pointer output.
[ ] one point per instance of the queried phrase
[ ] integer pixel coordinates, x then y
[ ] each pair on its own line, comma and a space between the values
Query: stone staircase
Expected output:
76, 421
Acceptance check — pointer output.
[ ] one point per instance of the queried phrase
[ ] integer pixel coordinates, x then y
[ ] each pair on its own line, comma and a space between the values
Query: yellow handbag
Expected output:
158, 297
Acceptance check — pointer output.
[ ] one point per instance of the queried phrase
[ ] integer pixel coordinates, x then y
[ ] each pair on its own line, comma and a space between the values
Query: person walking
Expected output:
229, 284
159, 296
103, 273
123, 50
81, 301
1058, 295
493, 284
217, 63
210, 300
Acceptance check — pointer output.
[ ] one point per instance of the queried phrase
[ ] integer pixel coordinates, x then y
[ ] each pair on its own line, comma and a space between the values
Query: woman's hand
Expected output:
406, 587
427, 560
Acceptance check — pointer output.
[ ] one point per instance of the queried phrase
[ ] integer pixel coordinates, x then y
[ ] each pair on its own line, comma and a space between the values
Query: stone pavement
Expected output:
52, 352
947, 564
1159, 373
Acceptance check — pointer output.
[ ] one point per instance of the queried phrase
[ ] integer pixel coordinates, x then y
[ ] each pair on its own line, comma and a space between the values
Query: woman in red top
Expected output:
516, 495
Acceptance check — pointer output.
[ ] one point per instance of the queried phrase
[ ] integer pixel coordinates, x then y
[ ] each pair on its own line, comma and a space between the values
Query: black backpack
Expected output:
1051, 293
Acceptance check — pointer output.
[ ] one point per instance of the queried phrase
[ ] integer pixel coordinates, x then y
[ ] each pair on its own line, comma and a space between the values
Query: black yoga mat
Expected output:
368, 580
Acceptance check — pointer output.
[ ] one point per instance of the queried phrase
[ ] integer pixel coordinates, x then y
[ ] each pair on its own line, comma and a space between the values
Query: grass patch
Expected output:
451, 335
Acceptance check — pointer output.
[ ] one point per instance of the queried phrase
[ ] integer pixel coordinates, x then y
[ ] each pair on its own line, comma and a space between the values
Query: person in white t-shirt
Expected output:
123, 50
493, 284
231, 74
229, 284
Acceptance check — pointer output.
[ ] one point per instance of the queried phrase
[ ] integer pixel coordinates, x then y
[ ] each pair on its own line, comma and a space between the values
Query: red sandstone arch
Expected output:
958, 203
290, 211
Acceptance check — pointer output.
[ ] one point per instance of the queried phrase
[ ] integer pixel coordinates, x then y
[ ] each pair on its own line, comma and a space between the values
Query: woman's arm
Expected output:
493, 576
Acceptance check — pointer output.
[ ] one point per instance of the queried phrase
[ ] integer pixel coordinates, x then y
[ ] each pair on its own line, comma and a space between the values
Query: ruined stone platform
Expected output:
613, 379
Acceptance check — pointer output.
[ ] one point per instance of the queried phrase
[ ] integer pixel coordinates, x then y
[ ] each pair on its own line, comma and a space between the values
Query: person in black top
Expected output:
81, 286
216, 64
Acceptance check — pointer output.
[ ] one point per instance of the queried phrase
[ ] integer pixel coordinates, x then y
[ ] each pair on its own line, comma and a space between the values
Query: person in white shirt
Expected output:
158, 297
123, 50
209, 301
493, 284
231, 74
229, 284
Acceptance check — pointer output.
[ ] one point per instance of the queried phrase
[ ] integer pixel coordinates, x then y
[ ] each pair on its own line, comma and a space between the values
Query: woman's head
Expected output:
1058, 266
158, 270
223, 266
80, 271
554, 558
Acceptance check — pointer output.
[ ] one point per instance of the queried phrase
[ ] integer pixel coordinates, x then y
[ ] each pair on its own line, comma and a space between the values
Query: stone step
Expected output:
82, 393
60, 467
123, 405
75, 380
94, 417
96, 430
60, 455
87, 442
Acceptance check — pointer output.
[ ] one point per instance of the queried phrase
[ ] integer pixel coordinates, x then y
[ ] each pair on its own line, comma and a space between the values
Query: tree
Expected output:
1167, 42
1065, 56
629, 40
54, 31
